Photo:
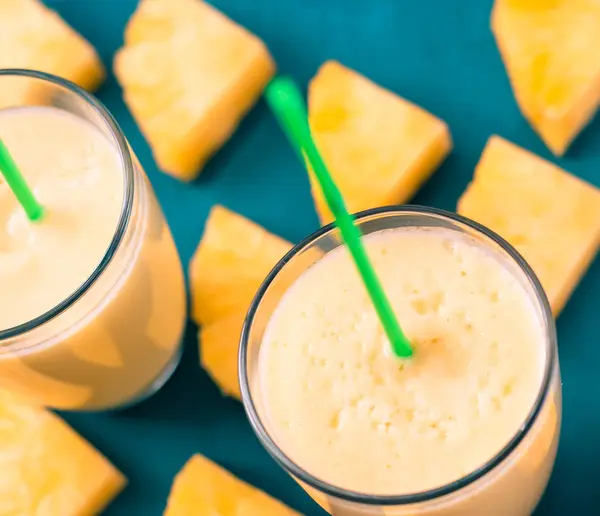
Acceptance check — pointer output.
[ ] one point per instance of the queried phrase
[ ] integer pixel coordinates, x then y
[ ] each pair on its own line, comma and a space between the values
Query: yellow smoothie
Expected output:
123, 333
342, 407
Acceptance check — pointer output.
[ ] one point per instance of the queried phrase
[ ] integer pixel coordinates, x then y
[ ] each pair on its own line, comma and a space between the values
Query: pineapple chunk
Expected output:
35, 37
203, 488
189, 75
379, 147
551, 217
47, 468
232, 260
550, 50
220, 343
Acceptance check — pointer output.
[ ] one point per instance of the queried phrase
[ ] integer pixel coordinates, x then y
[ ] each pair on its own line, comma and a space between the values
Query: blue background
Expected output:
439, 54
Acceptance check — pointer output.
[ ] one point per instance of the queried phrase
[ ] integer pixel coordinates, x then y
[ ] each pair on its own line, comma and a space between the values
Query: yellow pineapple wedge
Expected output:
46, 468
232, 260
551, 217
203, 488
35, 37
379, 147
189, 74
219, 347
550, 51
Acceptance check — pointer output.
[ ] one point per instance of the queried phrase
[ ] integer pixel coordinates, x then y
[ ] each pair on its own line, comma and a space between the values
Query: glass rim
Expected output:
126, 208
422, 496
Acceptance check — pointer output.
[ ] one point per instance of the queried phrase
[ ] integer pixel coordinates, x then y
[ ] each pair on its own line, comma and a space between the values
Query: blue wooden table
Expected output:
441, 55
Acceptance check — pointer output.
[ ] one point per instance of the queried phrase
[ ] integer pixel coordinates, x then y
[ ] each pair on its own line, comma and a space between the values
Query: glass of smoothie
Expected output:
469, 425
92, 297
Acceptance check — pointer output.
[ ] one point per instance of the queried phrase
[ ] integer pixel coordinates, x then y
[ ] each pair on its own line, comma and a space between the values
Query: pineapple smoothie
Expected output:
92, 300
349, 413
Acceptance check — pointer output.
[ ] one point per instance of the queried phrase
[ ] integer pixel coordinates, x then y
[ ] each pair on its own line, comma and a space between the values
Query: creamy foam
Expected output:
76, 175
350, 413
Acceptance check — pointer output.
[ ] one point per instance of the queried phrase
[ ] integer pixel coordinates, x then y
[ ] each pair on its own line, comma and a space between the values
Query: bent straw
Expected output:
285, 99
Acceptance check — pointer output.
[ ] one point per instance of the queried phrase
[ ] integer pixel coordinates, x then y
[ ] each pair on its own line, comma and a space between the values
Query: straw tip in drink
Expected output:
402, 348
37, 214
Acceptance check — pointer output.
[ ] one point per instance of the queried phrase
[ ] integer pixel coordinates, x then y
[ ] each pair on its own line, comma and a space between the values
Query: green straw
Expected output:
16, 182
287, 103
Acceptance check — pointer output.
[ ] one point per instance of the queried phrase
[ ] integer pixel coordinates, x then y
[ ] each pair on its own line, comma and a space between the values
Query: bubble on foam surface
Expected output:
19, 229
430, 304
83, 166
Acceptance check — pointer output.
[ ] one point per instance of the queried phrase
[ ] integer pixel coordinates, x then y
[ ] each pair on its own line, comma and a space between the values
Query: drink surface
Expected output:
121, 340
341, 406
76, 175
